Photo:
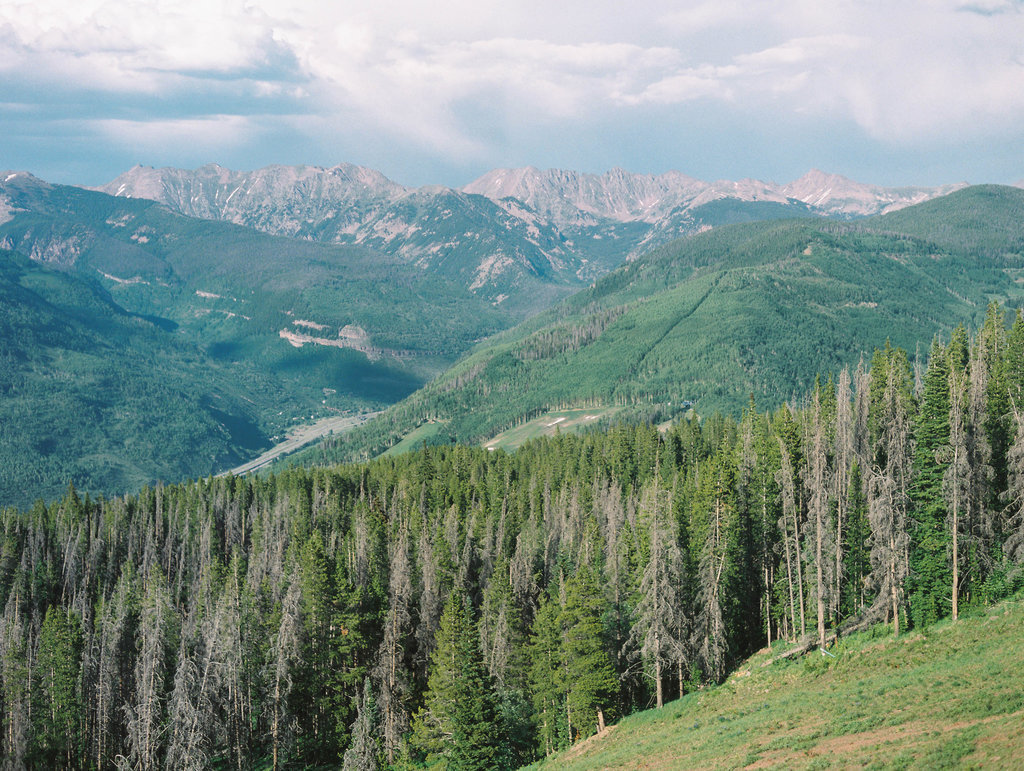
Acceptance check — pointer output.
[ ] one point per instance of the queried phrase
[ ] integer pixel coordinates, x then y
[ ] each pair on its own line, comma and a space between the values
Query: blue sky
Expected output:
888, 92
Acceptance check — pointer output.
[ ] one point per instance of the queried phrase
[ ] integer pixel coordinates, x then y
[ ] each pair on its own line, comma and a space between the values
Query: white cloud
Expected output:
903, 70
209, 134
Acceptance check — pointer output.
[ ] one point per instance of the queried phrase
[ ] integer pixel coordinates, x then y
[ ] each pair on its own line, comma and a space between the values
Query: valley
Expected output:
299, 437
121, 313
538, 508
292, 289
752, 311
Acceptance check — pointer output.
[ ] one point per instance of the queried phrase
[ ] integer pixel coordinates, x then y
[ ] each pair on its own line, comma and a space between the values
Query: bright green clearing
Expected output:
429, 433
549, 424
950, 696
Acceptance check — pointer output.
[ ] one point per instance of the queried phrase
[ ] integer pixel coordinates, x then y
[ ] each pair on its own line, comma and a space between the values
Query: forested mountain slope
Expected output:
91, 392
481, 609
747, 310
141, 345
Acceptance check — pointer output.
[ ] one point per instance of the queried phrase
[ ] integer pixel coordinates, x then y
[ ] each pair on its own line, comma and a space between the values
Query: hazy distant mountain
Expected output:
835, 195
570, 198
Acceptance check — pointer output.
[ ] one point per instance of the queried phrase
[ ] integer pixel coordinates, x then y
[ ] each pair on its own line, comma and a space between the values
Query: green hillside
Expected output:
951, 695
746, 310
140, 345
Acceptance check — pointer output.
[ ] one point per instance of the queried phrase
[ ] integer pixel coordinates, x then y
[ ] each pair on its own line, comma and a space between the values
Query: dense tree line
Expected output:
475, 610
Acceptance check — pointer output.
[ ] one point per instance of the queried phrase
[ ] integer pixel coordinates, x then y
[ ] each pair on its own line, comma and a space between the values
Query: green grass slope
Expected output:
750, 309
951, 695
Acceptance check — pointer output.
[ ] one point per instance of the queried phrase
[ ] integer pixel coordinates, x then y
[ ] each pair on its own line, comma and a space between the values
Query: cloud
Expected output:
210, 133
904, 71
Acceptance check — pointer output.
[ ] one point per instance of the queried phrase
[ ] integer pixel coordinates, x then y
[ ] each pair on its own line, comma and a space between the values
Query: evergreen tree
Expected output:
457, 723
57, 707
590, 682
930, 542
547, 675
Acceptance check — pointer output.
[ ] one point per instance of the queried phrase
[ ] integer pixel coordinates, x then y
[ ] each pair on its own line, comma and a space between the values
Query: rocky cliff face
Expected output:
284, 200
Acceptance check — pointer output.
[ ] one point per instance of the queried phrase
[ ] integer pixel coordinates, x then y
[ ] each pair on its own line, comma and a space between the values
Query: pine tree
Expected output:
457, 723
930, 537
57, 707
657, 635
546, 675
590, 682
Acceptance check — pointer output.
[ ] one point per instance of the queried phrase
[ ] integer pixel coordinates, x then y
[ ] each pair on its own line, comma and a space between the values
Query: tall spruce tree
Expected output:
457, 724
591, 686
930, 541
57, 707
547, 678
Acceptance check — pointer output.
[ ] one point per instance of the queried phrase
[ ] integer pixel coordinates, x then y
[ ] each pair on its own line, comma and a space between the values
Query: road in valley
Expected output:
300, 436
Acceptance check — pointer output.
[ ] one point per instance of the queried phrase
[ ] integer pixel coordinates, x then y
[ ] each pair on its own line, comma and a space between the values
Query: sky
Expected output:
892, 92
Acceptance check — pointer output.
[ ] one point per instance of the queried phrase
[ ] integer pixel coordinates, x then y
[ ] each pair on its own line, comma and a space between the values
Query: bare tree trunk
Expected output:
789, 580
956, 560
784, 478
799, 572
815, 481
657, 679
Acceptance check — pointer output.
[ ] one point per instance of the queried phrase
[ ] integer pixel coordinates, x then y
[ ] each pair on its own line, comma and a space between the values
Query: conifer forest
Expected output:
465, 609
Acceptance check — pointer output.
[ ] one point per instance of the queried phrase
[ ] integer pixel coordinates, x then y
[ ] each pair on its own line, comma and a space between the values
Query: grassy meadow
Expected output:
948, 696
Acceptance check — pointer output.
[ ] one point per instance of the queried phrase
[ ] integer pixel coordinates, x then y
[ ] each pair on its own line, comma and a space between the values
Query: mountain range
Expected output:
509, 226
